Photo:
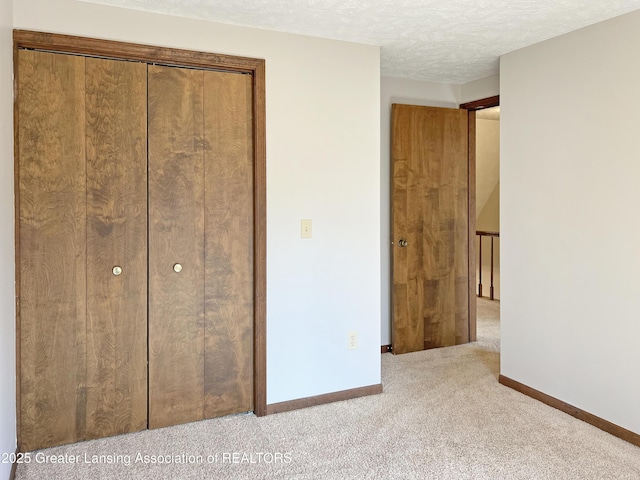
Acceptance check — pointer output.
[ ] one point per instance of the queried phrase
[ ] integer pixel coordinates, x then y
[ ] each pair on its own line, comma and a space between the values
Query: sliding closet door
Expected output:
176, 246
228, 104
82, 211
116, 143
200, 244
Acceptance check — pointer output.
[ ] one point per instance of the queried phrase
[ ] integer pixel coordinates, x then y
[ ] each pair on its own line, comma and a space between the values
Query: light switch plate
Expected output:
305, 228
352, 341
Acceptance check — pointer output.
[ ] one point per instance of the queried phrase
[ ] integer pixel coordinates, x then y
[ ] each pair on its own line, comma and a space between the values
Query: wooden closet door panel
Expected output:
51, 248
176, 235
228, 109
116, 103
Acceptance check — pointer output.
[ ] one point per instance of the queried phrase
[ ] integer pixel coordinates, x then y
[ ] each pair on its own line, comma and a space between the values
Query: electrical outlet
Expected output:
352, 340
305, 228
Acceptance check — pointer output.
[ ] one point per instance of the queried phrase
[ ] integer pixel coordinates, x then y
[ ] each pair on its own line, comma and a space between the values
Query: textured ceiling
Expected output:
449, 41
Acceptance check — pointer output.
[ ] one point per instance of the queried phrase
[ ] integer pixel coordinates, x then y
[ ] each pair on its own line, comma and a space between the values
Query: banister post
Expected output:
480, 267
491, 287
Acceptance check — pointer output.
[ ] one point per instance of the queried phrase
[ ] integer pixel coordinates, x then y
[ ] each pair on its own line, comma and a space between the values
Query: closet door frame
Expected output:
24, 39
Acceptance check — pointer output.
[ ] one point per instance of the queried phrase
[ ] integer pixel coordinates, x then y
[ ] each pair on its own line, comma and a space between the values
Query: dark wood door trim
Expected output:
602, 424
24, 39
260, 240
324, 399
482, 103
132, 51
471, 189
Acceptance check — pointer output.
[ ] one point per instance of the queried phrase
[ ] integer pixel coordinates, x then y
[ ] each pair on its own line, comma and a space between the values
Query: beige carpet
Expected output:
442, 415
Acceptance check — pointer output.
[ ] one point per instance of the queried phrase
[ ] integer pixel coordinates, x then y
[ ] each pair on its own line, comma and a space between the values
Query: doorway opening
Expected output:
437, 261
487, 215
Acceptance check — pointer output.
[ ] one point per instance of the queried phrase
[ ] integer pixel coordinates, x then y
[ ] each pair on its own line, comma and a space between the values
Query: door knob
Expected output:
117, 270
177, 268
402, 243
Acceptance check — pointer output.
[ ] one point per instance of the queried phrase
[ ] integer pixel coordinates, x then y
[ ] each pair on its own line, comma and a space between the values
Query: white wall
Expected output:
569, 218
323, 163
480, 89
487, 160
411, 92
7, 251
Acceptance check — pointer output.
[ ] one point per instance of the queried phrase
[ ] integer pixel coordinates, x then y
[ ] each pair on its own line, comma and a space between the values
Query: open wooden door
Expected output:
432, 165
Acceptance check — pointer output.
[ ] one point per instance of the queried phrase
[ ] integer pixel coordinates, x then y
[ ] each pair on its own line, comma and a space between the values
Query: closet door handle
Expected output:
177, 268
117, 270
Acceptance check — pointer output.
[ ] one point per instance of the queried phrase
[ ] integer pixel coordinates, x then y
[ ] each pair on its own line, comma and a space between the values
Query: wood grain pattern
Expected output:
132, 51
146, 53
116, 114
430, 210
472, 226
176, 235
260, 242
229, 314
408, 285
52, 263
17, 223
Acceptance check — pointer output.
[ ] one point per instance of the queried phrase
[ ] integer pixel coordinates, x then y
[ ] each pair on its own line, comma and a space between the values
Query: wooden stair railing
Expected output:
492, 235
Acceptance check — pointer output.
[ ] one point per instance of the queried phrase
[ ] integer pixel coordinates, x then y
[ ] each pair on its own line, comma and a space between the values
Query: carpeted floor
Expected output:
442, 415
